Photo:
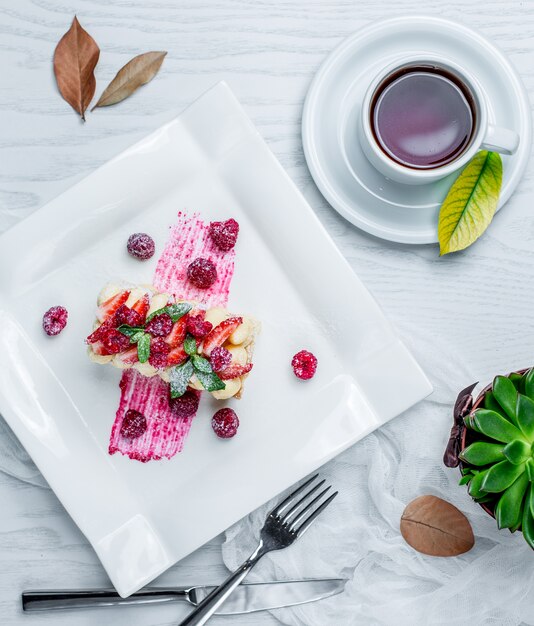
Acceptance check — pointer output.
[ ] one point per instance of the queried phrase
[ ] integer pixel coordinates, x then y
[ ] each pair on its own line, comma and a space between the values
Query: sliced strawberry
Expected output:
234, 370
177, 335
142, 306
110, 307
129, 356
176, 356
220, 334
101, 331
98, 348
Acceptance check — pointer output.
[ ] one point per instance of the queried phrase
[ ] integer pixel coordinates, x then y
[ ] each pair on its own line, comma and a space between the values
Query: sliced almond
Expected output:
146, 369
158, 302
239, 355
216, 315
232, 387
241, 333
107, 292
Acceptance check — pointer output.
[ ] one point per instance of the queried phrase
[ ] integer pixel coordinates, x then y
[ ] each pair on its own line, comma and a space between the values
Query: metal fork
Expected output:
284, 524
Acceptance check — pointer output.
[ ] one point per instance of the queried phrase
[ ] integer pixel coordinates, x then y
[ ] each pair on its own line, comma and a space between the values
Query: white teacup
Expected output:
484, 136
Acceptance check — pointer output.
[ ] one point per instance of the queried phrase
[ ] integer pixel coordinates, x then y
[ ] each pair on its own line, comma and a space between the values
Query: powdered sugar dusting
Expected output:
166, 433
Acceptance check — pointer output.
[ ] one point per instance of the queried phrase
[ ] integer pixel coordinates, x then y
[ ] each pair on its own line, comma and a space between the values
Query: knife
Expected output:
247, 598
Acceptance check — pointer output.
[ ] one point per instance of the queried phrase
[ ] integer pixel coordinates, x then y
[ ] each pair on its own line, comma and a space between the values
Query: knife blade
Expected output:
247, 598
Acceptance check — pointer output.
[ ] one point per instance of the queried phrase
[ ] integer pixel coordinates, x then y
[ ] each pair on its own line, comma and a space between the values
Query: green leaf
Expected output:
135, 338
201, 364
471, 202
506, 395
493, 425
210, 382
130, 331
525, 416
143, 348
179, 378
475, 486
517, 451
190, 345
465, 479
482, 453
510, 506
500, 476
529, 503
518, 381
529, 384
527, 525
530, 469
175, 311
492, 404
178, 310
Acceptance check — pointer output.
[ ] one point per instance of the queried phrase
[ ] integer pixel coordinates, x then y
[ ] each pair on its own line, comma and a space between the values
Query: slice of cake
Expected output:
182, 342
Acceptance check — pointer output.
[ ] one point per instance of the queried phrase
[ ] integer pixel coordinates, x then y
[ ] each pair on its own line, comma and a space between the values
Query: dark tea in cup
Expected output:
422, 116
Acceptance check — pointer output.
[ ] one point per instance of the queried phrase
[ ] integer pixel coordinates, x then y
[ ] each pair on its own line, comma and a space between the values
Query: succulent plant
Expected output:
498, 466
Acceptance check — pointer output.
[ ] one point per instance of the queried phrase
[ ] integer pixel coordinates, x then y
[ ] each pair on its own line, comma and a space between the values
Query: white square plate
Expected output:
142, 518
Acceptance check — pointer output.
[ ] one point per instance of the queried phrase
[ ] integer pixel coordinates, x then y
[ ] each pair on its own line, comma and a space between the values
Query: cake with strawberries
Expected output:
187, 345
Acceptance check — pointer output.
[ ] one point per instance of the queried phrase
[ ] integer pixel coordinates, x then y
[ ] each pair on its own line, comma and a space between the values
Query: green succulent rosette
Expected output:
498, 464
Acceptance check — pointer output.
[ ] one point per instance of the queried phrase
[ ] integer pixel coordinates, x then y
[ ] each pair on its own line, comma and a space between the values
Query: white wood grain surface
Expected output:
268, 51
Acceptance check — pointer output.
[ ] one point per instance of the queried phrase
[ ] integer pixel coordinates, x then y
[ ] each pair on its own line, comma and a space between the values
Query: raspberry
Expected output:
141, 246
55, 320
114, 341
224, 234
304, 365
202, 273
160, 325
225, 423
125, 315
197, 326
159, 349
186, 405
220, 358
133, 424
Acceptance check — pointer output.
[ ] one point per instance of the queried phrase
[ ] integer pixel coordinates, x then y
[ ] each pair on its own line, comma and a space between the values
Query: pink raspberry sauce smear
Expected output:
168, 426
304, 365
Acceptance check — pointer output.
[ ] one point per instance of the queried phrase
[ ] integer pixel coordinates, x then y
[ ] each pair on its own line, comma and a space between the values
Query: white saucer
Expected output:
402, 213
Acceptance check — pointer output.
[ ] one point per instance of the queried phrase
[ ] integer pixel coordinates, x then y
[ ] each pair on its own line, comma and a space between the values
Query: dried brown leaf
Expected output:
137, 72
75, 58
436, 527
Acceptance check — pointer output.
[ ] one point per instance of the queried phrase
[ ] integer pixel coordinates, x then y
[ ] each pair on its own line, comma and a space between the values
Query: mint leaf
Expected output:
130, 331
143, 348
201, 364
178, 310
190, 345
179, 378
175, 311
135, 338
210, 382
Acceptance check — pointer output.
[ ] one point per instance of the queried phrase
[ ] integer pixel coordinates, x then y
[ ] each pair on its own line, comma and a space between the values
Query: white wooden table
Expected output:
268, 51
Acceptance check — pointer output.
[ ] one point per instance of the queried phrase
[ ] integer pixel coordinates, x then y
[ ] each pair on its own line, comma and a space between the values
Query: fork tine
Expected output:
306, 524
302, 513
285, 503
293, 510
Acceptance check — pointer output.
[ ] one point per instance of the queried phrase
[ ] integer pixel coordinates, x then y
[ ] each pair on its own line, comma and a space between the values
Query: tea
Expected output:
422, 117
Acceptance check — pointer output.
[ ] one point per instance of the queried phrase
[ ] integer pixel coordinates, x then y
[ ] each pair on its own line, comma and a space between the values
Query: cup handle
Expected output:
500, 140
